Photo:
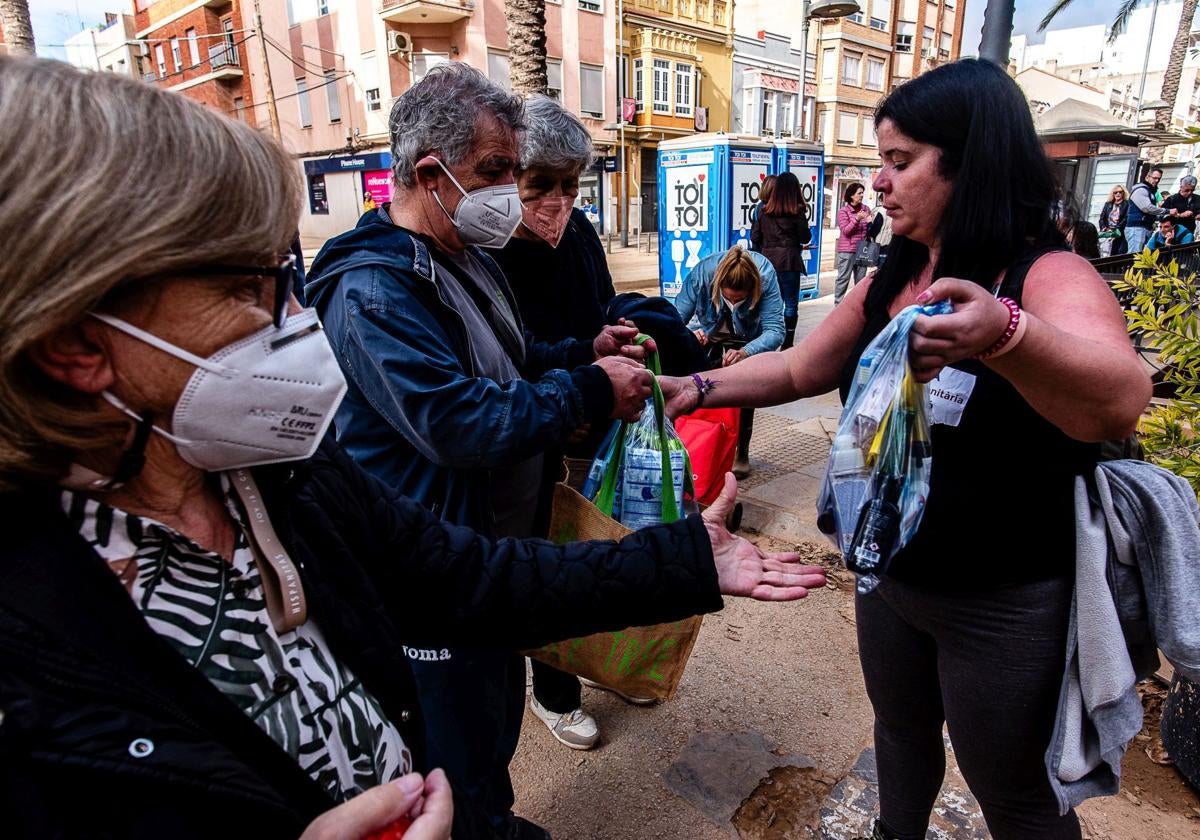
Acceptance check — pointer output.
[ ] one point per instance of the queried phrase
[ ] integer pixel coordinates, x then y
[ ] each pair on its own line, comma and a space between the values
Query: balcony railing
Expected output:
223, 55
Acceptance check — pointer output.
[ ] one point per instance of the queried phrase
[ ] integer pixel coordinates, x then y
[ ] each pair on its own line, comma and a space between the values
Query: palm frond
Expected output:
1058, 6
1121, 19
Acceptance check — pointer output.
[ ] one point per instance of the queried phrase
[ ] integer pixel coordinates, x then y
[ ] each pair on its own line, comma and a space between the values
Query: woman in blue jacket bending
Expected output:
734, 298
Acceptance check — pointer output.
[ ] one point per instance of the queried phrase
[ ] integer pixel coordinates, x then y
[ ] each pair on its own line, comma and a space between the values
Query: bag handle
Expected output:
606, 498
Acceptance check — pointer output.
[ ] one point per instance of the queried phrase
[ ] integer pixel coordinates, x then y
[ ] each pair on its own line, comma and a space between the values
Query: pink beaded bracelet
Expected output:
1014, 321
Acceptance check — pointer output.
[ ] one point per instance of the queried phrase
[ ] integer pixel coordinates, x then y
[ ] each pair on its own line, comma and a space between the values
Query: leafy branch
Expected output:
1161, 308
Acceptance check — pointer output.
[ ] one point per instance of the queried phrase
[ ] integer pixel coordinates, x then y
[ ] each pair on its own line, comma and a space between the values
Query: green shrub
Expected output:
1161, 307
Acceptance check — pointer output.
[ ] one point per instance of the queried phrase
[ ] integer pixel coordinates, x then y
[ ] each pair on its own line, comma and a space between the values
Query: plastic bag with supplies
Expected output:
643, 472
877, 480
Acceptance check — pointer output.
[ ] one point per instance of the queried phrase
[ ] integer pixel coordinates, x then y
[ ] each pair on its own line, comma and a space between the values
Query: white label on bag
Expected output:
948, 396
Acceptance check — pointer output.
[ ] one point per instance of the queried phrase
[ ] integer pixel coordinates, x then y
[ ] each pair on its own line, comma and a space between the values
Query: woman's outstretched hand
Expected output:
936, 341
744, 570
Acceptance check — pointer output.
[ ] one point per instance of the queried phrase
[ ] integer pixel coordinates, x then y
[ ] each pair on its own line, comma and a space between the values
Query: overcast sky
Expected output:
56, 20
1029, 14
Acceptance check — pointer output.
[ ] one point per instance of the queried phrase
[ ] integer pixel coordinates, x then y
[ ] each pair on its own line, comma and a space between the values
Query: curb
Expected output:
779, 522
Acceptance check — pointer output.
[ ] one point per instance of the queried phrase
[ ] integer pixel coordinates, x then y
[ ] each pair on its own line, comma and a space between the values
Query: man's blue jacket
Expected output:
416, 415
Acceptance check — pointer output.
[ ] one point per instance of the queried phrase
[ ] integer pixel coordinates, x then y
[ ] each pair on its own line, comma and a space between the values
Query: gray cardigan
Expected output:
1137, 589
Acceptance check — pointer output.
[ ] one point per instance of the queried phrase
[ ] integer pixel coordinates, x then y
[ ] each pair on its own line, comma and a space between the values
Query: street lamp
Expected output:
821, 10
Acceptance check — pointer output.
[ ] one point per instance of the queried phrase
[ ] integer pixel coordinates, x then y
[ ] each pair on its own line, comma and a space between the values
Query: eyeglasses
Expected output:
285, 275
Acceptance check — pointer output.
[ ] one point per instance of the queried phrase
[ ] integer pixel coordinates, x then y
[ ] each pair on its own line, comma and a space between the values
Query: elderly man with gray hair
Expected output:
451, 401
1184, 206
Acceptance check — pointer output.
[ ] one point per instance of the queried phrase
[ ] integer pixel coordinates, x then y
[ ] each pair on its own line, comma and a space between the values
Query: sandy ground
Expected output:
789, 672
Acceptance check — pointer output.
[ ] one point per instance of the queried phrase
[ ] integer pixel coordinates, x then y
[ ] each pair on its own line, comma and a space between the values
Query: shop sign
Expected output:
348, 163
701, 120
610, 163
377, 186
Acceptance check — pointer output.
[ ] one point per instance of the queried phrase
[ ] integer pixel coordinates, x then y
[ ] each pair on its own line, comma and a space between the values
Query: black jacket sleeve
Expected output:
804, 232
445, 583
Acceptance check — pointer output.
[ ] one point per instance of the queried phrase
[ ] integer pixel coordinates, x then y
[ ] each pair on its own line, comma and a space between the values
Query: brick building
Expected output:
197, 47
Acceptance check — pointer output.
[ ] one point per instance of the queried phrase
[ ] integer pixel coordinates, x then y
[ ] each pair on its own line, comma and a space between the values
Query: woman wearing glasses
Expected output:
1112, 220
207, 611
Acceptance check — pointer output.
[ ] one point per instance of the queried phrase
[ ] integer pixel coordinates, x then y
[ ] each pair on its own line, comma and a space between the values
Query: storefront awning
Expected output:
1075, 120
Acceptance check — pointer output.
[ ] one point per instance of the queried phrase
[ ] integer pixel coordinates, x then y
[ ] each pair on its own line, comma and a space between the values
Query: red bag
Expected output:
710, 435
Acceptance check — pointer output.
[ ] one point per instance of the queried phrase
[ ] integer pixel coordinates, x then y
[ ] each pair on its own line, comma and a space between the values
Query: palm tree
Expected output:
526, 27
1170, 85
14, 23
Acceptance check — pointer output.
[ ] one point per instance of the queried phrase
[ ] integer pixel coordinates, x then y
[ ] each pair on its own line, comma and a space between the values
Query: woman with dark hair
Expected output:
1084, 240
1031, 370
780, 233
764, 195
853, 219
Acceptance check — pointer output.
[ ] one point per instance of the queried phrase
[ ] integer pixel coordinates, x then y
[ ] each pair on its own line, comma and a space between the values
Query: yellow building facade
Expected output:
677, 63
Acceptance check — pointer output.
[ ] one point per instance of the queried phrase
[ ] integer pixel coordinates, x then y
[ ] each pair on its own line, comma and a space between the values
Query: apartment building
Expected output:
858, 60
111, 47
580, 44
332, 68
197, 47
677, 60
770, 96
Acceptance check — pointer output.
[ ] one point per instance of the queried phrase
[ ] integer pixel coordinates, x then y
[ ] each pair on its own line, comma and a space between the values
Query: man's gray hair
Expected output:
438, 114
554, 137
1187, 181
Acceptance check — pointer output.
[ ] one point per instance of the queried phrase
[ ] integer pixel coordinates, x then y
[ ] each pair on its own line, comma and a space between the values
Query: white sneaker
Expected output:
577, 729
637, 701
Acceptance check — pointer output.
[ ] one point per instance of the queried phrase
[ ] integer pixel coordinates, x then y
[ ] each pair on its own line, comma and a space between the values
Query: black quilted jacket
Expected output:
82, 677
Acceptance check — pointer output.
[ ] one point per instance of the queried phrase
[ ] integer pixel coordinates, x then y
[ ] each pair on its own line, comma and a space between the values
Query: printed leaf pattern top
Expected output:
214, 614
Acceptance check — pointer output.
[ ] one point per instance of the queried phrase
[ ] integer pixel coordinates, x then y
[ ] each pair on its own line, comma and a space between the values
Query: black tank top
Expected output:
1001, 506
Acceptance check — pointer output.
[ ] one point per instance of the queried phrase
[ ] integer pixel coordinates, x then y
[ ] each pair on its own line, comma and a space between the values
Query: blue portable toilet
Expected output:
707, 186
806, 161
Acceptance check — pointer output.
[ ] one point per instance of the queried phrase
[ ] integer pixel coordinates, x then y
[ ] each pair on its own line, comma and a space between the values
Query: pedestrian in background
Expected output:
780, 233
1184, 206
734, 297
1168, 235
764, 195
1084, 240
1113, 218
853, 219
1143, 210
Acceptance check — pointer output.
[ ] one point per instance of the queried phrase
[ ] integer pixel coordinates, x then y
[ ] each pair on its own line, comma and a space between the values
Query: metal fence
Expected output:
1187, 256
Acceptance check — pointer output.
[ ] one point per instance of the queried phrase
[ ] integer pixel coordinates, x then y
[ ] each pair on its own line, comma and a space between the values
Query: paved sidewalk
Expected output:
788, 454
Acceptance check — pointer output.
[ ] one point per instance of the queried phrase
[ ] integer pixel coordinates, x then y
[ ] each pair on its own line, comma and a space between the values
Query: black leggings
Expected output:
990, 666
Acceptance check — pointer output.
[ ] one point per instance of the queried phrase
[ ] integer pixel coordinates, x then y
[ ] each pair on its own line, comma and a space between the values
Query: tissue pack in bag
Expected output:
641, 486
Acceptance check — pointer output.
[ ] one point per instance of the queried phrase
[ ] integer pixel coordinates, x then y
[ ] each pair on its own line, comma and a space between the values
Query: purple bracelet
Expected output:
703, 386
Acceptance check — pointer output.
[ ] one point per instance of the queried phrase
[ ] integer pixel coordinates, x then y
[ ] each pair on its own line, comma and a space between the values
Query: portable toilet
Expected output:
707, 186
806, 161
